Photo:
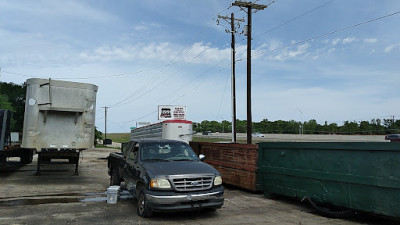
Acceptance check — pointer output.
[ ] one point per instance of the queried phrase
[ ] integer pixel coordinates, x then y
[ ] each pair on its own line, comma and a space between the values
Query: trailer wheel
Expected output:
143, 209
114, 178
27, 157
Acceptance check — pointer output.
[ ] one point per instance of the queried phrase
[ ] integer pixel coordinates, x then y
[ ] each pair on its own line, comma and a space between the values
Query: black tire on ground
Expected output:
143, 209
114, 178
333, 212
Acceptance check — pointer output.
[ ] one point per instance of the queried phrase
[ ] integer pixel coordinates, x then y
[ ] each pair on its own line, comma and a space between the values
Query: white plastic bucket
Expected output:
112, 194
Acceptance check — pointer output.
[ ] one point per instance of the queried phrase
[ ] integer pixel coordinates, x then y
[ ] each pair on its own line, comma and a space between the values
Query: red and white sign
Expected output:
171, 112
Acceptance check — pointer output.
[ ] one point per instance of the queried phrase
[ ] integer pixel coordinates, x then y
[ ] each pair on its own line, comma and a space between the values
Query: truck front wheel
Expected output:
143, 209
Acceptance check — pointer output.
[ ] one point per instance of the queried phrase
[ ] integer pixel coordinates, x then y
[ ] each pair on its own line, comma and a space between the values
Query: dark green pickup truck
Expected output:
165, 175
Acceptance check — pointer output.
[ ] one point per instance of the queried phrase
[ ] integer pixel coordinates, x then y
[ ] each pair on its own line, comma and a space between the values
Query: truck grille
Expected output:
193, 183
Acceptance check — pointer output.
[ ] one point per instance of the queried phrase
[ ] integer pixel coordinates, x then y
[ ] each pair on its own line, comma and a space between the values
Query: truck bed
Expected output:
115, 161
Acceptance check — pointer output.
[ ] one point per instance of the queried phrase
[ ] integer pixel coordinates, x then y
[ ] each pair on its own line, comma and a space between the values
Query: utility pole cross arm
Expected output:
249, 5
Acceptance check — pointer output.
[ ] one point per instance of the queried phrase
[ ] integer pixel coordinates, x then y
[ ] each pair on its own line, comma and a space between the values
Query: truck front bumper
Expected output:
172, 201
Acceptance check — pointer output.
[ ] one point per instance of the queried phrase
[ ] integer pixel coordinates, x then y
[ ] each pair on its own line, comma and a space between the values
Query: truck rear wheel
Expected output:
143, 209
114, 178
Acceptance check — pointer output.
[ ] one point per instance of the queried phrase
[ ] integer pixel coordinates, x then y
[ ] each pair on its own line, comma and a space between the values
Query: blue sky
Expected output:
143, 54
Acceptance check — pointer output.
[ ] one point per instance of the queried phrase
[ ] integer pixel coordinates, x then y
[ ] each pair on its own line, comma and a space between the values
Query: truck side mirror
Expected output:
202, 157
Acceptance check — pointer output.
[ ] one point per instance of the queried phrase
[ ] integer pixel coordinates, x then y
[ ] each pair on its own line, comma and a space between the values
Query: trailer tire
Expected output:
27, 157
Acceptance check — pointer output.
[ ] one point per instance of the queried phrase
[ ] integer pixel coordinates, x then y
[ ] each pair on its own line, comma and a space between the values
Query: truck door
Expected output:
130, 168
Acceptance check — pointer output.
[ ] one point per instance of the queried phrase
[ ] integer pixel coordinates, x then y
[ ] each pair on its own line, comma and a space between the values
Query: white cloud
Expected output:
144, 26
370, 40
201, 53
198, 53
348, 40
325, 41
140, 28
286, 54
161, 51
335, 41
390, 48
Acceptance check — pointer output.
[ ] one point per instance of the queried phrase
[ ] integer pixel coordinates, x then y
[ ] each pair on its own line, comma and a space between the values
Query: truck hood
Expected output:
178, 168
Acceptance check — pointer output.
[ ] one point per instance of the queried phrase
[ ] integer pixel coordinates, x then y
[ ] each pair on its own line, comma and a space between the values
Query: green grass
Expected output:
204, 139
119, 137
102, 146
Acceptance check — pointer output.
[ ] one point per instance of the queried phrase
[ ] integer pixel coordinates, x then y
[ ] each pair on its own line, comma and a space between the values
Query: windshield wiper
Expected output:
163, 160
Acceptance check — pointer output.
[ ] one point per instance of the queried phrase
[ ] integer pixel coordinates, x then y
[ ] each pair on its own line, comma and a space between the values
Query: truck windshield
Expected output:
167, 152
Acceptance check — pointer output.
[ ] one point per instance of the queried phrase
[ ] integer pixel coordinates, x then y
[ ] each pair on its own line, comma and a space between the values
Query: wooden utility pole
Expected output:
250, 6
105, 122
231, 21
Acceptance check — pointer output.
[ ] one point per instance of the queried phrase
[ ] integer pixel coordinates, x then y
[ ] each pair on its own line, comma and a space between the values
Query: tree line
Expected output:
12, 97
373, 127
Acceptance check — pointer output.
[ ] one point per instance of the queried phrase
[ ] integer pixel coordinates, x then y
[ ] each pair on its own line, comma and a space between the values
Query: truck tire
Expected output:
143, 209
114, 178
333, 212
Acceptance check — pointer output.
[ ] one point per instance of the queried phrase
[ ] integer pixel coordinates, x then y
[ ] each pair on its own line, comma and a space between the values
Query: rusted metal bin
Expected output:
237, 163
360, 176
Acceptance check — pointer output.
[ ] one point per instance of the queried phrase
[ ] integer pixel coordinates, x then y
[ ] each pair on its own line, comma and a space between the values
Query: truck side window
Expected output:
132, 156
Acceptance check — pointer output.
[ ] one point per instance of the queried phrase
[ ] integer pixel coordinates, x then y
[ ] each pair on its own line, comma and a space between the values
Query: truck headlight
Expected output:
160, 183
217, 180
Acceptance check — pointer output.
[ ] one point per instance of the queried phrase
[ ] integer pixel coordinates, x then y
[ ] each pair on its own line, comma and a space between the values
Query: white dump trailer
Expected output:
59, 119
181, 130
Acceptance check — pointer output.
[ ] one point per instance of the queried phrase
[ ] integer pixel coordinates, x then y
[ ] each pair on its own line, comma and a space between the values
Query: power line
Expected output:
172, 62
84, 78
187, 84
131, 98
327, 34
294, 18
183, 95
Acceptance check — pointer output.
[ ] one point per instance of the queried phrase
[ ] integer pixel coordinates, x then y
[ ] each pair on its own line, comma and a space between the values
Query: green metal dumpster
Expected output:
360, 176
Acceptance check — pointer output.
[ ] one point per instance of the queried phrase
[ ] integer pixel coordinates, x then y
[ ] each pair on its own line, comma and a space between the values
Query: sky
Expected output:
328, 60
